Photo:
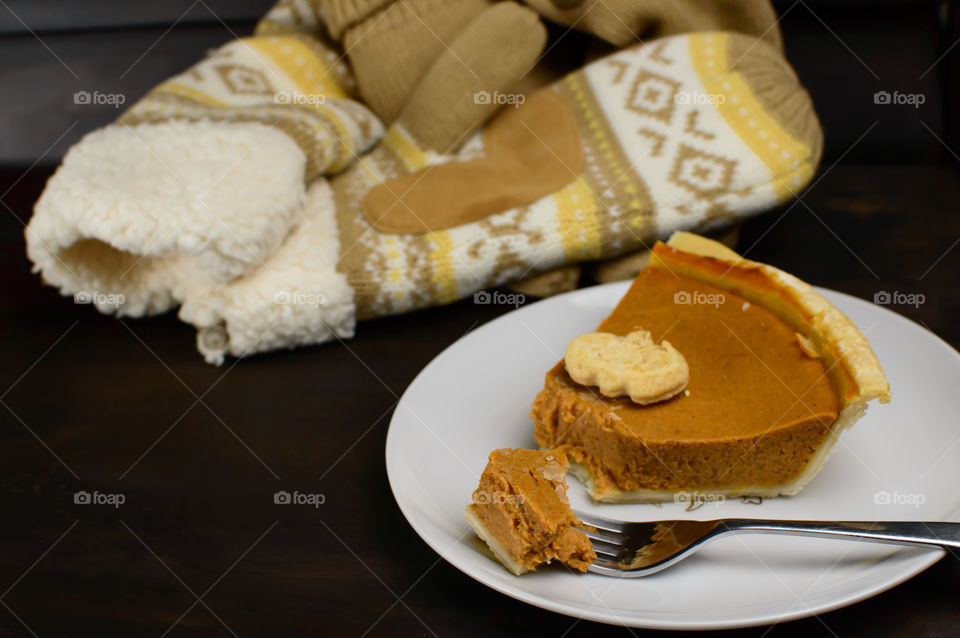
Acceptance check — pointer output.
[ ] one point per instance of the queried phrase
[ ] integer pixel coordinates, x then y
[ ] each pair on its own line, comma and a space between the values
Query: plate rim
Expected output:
920, 562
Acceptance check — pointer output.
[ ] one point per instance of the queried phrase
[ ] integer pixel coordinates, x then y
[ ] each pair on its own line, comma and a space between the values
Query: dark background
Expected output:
90, 402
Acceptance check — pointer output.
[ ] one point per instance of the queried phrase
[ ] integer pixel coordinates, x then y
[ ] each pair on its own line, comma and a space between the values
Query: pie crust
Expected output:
822, 332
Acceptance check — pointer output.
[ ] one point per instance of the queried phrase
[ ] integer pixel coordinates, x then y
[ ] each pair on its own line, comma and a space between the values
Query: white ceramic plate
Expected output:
899, 462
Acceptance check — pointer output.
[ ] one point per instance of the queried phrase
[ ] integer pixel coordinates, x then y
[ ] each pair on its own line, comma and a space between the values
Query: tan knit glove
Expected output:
391, 44
624, 22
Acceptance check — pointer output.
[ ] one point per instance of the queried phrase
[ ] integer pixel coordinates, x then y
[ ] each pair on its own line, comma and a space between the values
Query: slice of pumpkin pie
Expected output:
730, 377
520, 510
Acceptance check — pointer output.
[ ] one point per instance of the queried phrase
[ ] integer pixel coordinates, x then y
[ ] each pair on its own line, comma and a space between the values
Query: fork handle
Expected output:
945, 535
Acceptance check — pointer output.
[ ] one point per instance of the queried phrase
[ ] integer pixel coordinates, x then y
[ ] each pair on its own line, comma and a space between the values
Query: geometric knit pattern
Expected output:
282, 78
675, 136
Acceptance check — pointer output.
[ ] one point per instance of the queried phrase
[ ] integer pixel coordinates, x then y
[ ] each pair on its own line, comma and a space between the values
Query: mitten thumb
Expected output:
473, 77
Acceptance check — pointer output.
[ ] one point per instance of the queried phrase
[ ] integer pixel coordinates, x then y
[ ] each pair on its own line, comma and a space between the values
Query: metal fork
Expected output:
632, 550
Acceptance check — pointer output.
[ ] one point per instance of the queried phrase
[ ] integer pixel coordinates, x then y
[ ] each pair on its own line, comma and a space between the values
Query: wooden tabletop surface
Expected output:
199, 548
89, 402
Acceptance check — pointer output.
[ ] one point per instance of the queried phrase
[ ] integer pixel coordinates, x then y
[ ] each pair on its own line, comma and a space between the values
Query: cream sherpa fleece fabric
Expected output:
135, 211
210, 216
296, 297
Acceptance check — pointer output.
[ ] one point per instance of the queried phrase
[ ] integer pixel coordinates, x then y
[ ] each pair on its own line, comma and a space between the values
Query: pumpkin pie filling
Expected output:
520, 510
769, 380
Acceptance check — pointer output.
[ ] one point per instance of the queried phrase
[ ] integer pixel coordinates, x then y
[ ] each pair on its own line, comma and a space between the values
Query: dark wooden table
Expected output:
199, 548
89, 402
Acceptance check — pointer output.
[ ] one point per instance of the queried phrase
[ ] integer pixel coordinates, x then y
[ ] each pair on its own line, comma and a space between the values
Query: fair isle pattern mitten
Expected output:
622, 23
691, 132
201, 180
300, 294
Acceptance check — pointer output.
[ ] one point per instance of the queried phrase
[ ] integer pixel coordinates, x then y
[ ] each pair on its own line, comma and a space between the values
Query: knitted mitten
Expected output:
624, 22
201, 180
709, 128
704, 129
303, 293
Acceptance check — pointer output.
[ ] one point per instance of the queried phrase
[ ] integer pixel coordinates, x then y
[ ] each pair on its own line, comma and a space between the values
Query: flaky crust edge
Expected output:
820, 320
499, 551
